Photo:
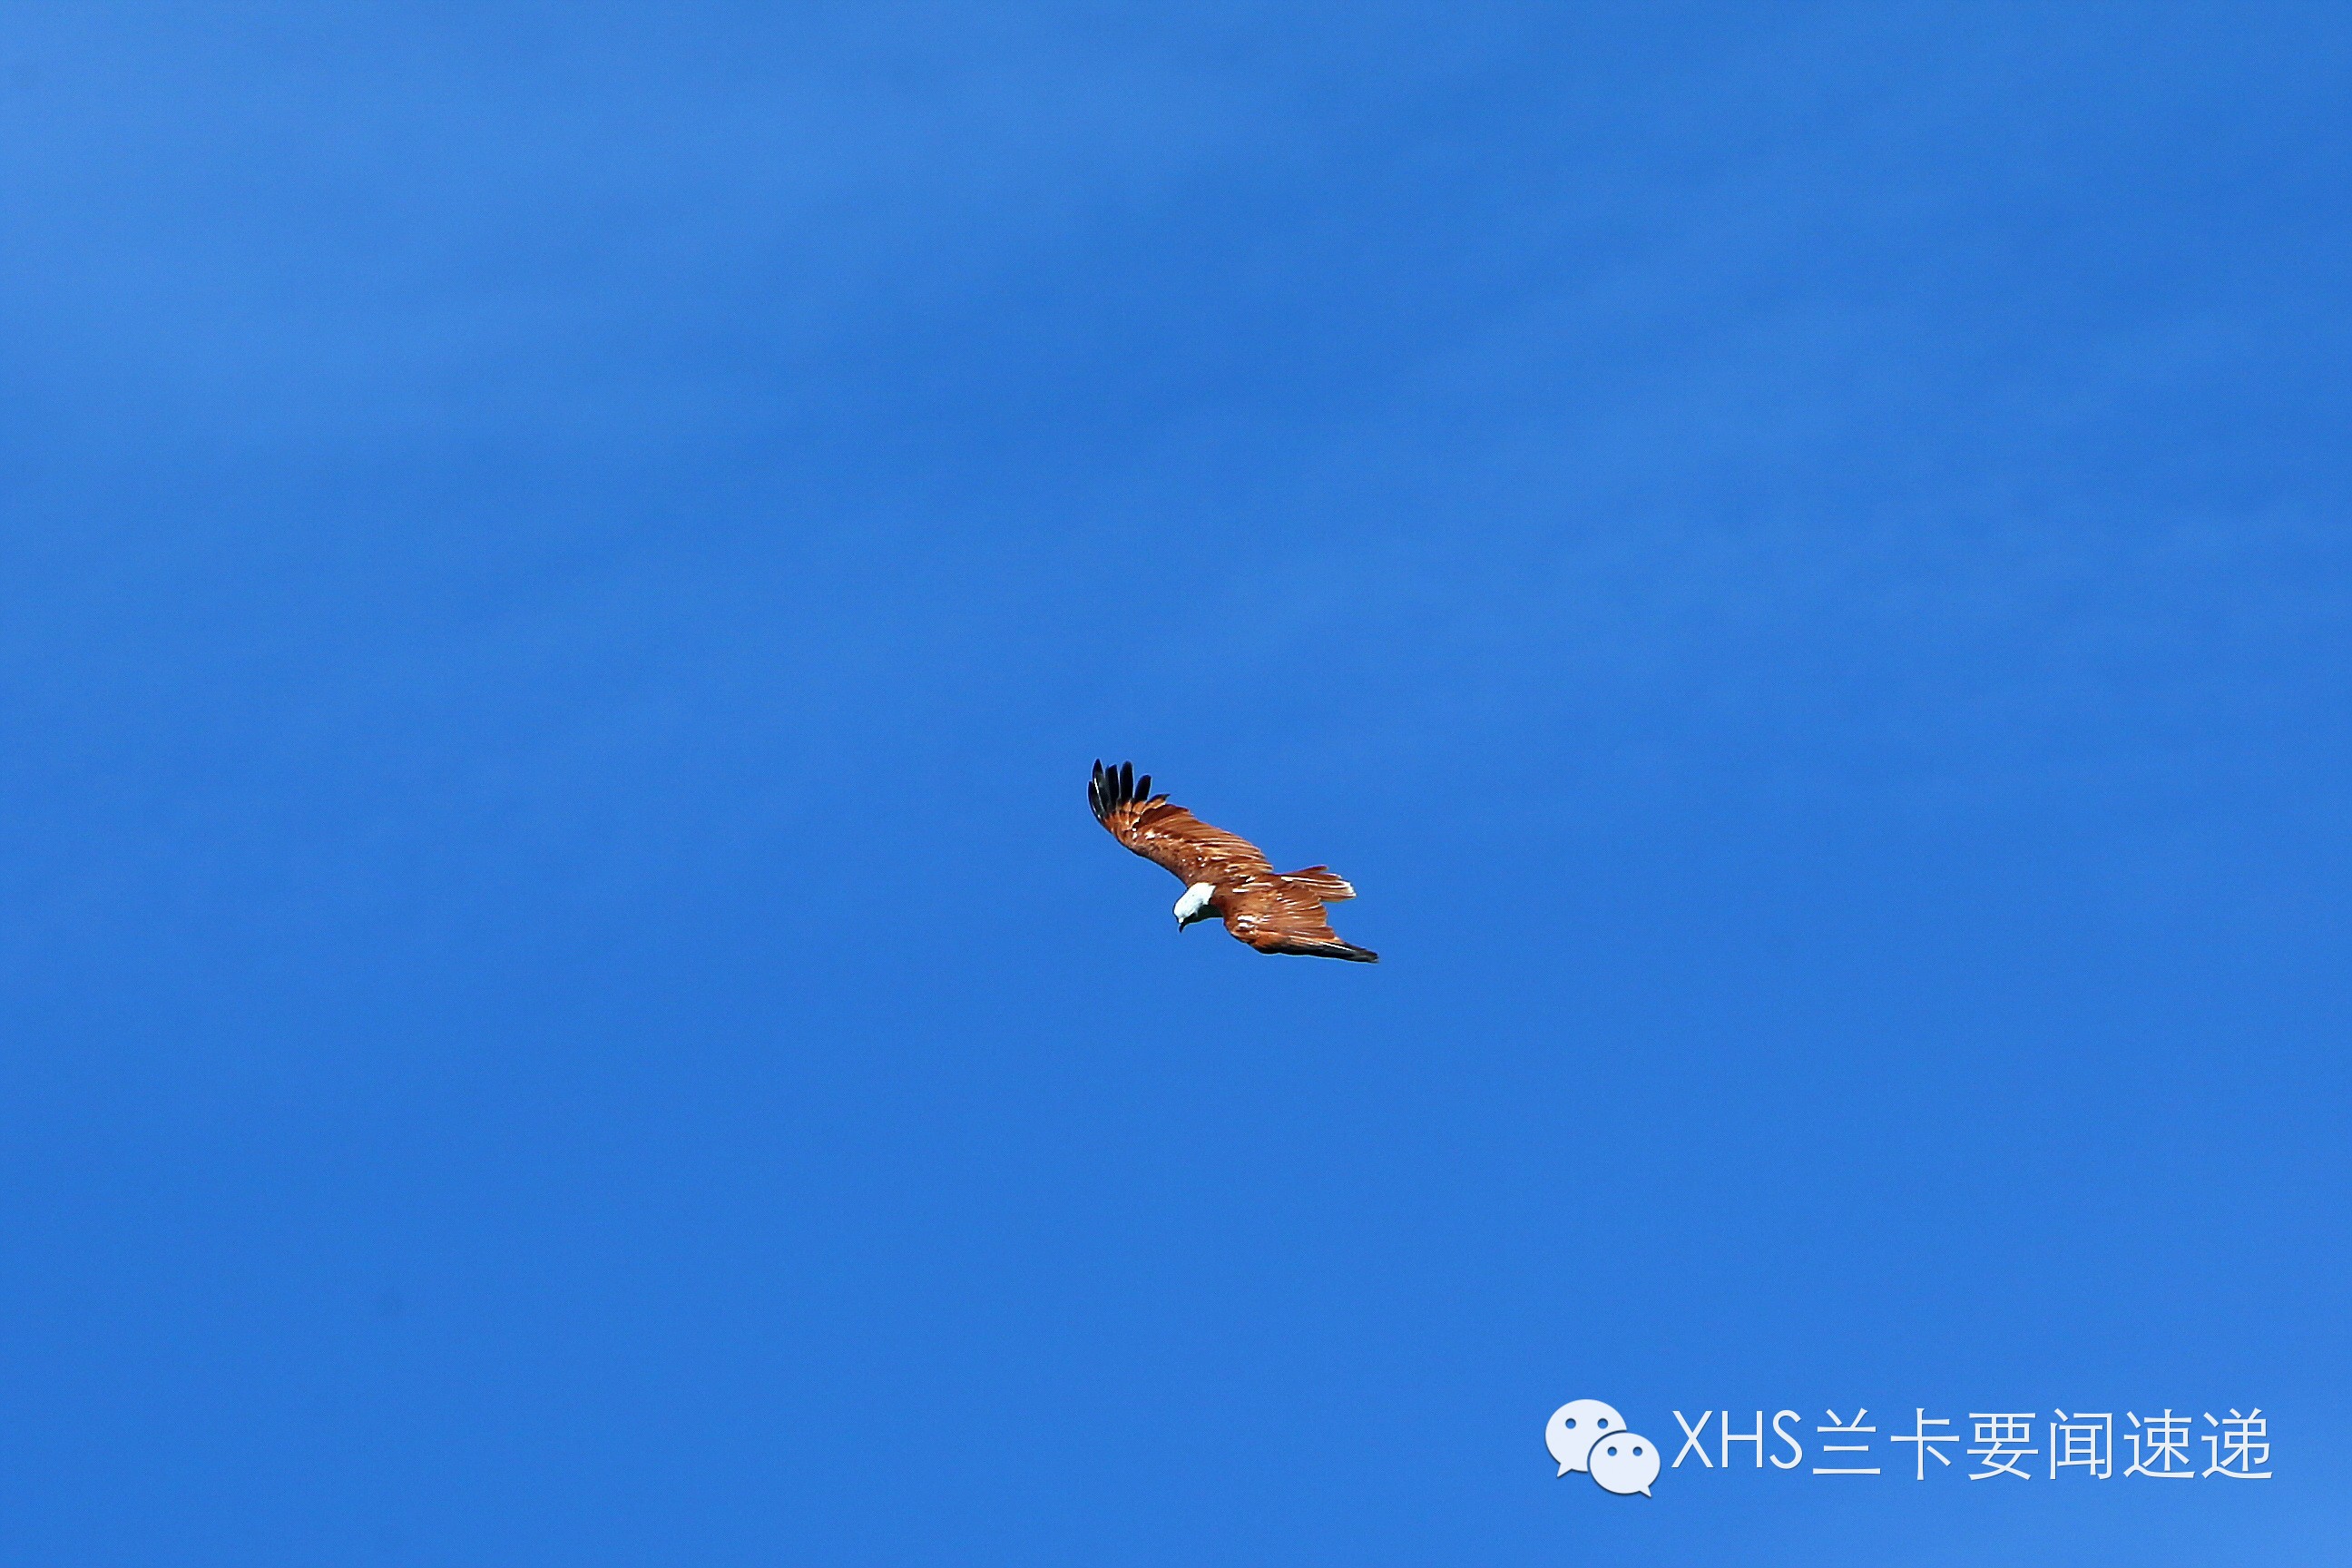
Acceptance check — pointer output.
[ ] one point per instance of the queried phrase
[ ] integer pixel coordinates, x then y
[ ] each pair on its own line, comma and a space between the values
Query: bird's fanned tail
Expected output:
1321, 881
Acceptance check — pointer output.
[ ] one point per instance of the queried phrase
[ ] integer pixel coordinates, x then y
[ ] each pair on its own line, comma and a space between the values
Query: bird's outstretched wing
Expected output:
1279, 915
1168, 836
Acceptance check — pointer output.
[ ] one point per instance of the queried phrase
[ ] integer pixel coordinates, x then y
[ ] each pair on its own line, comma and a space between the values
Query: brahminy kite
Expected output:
1223, 875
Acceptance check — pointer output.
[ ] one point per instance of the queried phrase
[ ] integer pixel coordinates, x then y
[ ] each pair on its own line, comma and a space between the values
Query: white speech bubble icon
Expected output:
1626, 1463
1573, 1426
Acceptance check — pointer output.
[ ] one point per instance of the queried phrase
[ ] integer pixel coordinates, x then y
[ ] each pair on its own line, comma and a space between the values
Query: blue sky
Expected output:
563, 568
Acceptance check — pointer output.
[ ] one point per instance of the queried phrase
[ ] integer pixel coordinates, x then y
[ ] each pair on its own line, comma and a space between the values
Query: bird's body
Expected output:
1223, 874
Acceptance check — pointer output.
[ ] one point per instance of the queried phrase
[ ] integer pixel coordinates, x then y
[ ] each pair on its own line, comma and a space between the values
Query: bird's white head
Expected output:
1194, 905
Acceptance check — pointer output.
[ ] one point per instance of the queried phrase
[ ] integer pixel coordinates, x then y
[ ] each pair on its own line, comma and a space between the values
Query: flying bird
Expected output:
1223, 874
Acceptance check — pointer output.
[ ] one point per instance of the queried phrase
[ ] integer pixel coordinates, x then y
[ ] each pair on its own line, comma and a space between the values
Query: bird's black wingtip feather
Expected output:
1113, 783
1343, 950
1112, 786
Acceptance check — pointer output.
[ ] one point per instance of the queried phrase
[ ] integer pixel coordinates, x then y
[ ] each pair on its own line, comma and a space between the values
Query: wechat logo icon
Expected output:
1586, 1435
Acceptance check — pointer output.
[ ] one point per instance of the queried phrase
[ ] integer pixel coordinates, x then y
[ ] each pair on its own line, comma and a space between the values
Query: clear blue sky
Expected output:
563, 569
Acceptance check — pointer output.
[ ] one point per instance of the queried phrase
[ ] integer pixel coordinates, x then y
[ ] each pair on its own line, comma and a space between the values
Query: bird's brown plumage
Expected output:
1273, 912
